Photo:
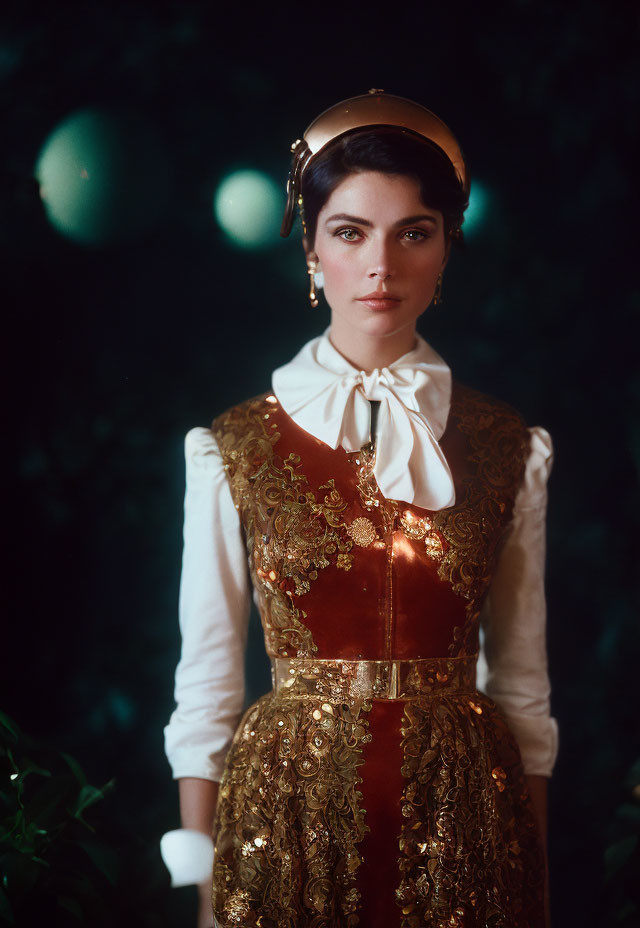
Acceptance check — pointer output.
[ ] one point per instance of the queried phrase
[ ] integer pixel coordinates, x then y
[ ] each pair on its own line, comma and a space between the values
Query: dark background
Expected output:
115, 351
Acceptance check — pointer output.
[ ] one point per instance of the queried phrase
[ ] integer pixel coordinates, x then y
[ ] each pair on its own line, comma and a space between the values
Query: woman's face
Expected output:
375, 235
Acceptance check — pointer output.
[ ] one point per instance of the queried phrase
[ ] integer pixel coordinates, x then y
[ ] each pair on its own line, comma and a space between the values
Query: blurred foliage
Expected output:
51, 859
62, 862
622, 859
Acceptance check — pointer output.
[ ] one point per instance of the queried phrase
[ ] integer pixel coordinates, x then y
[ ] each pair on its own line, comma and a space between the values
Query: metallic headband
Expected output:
375, 109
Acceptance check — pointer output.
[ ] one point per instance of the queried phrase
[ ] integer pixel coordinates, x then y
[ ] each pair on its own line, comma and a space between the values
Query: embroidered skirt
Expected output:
379, 794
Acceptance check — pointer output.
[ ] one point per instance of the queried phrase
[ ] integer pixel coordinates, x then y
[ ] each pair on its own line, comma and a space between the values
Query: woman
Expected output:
387, 513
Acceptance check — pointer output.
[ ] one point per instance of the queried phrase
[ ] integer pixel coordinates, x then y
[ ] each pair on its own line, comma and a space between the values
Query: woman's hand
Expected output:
538, 791
205, 911
198, 802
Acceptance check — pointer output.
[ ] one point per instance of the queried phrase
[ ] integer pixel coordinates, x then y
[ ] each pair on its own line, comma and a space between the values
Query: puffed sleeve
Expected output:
512, 669
214, 604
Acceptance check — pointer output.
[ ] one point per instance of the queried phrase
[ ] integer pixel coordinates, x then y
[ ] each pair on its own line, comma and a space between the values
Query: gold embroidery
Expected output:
434, 546
462, 839
290, 536
420, 528
288, 819
463, 538
473, 527
363, 531
370, 496
415, 526
470, 531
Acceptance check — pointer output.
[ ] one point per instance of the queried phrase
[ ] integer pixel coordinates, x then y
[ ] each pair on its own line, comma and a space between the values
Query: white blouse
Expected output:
215, 600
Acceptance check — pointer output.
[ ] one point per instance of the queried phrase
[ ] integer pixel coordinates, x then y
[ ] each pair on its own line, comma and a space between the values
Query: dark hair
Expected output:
390, 151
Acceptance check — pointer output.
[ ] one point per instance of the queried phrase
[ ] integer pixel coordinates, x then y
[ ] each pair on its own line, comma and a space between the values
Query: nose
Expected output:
380, 261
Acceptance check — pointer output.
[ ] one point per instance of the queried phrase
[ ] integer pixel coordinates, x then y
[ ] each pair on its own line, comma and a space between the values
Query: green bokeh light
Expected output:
102, 176
78, 168
248, 206
476, 214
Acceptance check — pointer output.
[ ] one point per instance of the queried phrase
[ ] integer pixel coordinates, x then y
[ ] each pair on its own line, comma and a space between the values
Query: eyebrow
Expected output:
345, 217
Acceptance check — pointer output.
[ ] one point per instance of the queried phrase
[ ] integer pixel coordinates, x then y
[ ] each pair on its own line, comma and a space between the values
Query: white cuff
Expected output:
537, 738
188, 856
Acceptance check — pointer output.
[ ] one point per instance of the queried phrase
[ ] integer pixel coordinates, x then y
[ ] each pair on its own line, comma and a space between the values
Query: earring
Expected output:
311, 270
301, 211
437, 296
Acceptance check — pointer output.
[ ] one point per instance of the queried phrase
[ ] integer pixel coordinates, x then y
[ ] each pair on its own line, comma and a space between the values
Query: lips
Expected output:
381, 295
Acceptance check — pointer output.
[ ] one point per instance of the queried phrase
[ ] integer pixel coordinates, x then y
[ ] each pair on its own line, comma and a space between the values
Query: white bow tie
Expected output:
328, 397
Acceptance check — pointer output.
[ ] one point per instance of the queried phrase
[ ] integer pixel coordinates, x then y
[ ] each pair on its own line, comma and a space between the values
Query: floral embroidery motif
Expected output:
498, 443
462, 539
363, 531
420, 528
290, 535
370, 496
288, 815
465, 835
288, 818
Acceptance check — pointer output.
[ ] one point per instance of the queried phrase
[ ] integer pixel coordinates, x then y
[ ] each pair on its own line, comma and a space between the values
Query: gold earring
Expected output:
437, 296
311, 269
301, 210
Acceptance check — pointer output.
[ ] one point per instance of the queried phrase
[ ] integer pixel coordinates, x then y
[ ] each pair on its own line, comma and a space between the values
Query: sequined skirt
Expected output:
375, 793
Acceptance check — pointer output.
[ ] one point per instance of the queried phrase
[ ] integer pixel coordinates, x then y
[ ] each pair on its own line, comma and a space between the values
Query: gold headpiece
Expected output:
374, 109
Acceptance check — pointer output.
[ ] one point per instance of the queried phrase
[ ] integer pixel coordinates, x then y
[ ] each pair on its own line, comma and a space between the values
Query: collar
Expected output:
329, 398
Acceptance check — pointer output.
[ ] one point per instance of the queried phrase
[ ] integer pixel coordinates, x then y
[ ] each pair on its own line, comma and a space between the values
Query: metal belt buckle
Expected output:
393, 687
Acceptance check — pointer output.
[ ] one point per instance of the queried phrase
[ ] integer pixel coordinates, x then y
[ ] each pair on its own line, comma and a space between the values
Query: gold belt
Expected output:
390, 679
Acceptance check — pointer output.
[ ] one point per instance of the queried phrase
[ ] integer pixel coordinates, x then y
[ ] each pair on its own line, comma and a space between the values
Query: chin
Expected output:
384, 325
367, 323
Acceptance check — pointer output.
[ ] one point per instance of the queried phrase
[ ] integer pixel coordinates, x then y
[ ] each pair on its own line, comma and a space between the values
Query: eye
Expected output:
420, 234
341, 233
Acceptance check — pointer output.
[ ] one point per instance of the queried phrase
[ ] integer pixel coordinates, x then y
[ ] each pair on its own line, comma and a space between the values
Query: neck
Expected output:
367, 352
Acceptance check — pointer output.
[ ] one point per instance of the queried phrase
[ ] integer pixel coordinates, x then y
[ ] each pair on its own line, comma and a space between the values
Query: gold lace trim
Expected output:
470, 845
473, 527
288, 818
289, 822
290, 533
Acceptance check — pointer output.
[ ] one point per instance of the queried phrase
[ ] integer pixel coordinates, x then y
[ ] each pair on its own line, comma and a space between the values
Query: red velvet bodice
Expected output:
343, 572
